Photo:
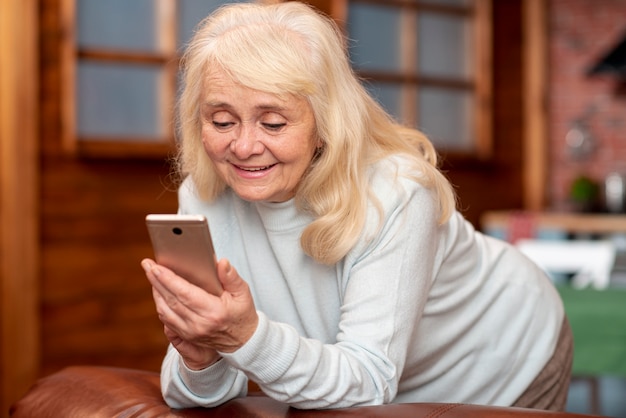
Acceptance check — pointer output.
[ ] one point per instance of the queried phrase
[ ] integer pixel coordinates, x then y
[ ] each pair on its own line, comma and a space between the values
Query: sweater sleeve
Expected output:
185, 388
385, 284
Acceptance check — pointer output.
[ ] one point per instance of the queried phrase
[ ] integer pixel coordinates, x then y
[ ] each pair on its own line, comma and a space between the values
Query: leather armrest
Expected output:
87, 391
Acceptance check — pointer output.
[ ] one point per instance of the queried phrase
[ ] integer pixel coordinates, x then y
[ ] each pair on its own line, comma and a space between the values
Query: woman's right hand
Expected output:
197, 323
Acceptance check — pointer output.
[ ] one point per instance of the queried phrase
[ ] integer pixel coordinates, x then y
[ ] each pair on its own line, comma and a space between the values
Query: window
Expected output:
120, 71
428, 64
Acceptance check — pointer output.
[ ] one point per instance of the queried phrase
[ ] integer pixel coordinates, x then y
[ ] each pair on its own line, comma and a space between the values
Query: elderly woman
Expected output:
349, 277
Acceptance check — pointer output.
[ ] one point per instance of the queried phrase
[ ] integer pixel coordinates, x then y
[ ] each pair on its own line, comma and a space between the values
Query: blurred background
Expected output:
524, 99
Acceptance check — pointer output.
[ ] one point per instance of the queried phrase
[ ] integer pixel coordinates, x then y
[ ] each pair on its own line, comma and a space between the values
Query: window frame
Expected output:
165, 56
480, 84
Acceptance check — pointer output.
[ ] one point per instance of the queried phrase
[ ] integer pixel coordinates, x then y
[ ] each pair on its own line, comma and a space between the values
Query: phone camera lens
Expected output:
177, 231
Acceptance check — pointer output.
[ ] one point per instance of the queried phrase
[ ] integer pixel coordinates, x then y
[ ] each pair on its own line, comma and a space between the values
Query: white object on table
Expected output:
590, 261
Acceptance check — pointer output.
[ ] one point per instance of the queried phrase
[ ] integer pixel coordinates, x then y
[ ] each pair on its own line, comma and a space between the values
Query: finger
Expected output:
173, 309
157, 296
168, 317
171, 285
152, 273
231, 281
174, 289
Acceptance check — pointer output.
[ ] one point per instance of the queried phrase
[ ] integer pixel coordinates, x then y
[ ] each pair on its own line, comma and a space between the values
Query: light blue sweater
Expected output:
416, 312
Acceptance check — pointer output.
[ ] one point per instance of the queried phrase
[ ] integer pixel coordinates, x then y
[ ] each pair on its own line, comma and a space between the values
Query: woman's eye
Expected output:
274, 126
222, 125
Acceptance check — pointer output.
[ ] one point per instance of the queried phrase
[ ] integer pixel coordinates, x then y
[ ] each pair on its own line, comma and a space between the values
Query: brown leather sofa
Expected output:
89, 391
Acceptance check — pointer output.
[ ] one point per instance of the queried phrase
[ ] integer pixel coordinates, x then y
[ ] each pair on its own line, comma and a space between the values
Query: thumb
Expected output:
231, 281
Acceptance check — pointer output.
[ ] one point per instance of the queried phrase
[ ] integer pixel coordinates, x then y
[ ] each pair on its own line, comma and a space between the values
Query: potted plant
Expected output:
584, 194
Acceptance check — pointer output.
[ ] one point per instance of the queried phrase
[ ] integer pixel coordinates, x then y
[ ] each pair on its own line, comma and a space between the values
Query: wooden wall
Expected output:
19, 176
96, 305
497, 182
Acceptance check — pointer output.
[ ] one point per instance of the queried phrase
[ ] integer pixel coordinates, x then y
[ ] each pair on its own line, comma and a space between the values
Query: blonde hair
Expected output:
288, 48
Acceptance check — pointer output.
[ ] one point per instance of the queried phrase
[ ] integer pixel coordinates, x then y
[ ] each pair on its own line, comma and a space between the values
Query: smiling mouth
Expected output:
253, 169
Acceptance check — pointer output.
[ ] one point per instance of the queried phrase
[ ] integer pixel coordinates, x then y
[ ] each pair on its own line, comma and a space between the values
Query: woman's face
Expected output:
261, 144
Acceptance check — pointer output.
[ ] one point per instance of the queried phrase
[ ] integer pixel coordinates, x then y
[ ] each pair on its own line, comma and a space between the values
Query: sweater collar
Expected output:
282, 216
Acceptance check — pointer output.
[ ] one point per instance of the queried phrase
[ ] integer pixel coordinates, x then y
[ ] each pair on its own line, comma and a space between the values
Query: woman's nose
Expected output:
246, 143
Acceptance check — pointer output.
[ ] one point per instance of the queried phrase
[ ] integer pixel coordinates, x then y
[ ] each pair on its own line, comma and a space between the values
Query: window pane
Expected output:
388, 95
445, 47
117, 24
118, 100
446, 117
191, 12
374, 49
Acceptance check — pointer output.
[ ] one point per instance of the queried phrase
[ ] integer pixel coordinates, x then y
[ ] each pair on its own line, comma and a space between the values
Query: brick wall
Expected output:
582, 31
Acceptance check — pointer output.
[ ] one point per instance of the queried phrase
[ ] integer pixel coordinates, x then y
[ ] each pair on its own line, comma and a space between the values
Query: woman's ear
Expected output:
319, 148
319, 144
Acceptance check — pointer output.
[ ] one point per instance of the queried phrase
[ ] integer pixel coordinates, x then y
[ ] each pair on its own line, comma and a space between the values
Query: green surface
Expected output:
598, 319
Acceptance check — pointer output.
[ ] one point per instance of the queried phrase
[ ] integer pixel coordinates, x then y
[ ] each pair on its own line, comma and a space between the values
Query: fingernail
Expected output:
150, 266
146, 264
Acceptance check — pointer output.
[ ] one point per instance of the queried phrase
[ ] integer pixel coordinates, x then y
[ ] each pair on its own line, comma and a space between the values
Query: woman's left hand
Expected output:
197, 323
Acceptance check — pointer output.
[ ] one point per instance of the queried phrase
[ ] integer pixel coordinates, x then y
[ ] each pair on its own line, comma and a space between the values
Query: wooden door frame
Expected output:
19, 208
535, 113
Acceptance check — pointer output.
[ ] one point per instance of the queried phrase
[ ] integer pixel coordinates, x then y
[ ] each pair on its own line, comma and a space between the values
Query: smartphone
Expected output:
183, 244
